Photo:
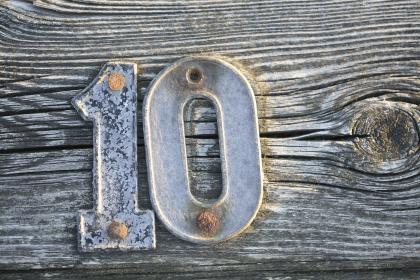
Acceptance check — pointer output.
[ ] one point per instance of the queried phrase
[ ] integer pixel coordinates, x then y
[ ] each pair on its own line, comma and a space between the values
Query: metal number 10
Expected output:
110, 102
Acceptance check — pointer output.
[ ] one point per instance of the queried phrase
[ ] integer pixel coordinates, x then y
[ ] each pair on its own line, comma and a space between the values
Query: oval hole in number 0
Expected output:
163, 114
202, 138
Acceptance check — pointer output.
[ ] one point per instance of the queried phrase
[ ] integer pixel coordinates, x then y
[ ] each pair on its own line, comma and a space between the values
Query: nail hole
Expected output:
194, 75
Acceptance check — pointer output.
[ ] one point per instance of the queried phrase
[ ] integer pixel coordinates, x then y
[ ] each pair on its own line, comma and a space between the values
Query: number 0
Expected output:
234, 100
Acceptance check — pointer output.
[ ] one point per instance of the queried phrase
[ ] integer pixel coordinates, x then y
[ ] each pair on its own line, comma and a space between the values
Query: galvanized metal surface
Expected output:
233, 98
110, 102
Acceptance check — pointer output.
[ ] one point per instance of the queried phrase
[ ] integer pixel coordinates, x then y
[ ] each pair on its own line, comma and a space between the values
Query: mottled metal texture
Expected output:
233, 98
113, 113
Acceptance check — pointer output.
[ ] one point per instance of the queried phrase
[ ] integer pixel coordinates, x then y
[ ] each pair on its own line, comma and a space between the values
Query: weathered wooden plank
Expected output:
337, 90
305, 206
389, 274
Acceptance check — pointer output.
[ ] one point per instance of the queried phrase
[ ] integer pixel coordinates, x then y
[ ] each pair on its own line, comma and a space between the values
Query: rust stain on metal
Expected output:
116, 81
208, 222
117, 230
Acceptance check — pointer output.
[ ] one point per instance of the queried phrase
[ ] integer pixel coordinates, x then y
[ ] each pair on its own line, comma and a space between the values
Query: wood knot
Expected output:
116, 81
386, 133
117, 230
208, 222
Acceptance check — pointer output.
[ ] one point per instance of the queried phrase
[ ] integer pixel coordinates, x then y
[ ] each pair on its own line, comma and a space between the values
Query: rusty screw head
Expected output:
117, 230
116, 81
208, 222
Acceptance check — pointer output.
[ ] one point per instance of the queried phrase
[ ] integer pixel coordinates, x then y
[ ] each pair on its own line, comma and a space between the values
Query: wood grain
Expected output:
238, 274
337, 87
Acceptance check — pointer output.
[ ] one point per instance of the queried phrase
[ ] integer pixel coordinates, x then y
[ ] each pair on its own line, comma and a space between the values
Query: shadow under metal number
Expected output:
116, 223
233, 97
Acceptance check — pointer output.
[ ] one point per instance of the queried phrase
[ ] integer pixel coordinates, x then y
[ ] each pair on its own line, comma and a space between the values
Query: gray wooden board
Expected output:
337, 88
389, 274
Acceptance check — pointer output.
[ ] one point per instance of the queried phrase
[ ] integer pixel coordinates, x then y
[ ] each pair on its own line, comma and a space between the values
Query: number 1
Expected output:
116, 222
